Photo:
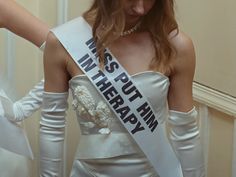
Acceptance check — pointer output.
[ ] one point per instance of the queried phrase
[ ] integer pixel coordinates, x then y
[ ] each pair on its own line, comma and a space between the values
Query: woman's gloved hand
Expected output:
26, 106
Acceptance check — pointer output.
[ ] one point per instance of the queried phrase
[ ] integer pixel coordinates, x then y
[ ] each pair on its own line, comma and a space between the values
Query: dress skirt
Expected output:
133, 165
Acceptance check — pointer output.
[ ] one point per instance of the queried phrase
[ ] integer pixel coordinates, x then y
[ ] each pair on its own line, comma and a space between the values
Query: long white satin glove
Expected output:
185, 140
26, 106
52, 126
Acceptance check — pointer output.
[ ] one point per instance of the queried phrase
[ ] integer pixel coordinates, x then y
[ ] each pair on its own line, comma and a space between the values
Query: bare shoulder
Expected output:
182, 42
185, 53
53, 42
54, 49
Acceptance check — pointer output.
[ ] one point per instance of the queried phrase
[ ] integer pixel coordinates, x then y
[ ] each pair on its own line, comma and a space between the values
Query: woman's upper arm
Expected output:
181, 80
55, 72
20, 21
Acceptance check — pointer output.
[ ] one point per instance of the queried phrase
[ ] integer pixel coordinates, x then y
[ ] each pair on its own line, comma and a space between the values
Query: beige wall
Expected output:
2, 48
220, 145
212, 26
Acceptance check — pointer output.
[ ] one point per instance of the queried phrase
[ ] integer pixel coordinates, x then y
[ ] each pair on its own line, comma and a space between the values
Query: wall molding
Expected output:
214, 99
10, 56
62, 16
62, 11
234, 151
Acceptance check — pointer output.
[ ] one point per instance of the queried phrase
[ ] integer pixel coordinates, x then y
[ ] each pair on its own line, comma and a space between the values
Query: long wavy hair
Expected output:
108, 21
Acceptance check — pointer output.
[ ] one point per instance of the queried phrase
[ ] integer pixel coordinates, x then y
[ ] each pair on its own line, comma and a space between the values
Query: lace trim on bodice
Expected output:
96, 117
96, 114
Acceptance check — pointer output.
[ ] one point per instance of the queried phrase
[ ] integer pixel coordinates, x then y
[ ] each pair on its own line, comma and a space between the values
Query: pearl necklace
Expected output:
131, 30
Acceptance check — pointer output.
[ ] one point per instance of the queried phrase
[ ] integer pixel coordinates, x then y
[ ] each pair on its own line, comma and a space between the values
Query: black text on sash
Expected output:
113, 97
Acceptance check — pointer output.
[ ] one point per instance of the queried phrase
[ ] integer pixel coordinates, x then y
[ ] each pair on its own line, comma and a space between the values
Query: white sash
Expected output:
121, 94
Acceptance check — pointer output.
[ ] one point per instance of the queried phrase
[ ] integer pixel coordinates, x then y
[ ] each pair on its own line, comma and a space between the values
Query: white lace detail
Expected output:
99, 114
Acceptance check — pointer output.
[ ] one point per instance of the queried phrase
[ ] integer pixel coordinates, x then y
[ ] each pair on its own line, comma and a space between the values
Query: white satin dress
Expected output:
12, 164
105, 148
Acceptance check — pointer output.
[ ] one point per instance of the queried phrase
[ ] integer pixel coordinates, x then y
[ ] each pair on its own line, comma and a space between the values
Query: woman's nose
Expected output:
138, 7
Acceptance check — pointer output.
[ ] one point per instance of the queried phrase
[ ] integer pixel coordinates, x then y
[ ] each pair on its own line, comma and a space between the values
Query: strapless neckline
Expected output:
142, 73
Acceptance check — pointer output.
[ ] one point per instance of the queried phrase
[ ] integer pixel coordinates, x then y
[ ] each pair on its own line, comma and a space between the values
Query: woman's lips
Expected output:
133, 18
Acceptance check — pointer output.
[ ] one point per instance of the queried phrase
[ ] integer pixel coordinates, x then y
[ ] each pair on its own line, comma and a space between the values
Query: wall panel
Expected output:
212, 26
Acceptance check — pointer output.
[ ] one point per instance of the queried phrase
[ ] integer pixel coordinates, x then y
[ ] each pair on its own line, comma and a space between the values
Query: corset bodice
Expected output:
99, 125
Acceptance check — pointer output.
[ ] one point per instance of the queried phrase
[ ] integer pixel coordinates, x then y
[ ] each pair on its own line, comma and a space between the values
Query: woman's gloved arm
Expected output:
26, 106
185, 140
52, 126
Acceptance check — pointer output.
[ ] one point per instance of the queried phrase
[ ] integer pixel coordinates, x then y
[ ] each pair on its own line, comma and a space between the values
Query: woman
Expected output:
18, 20
144, 37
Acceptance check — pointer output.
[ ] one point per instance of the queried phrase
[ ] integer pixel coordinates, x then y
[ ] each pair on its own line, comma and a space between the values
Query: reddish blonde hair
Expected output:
108, 15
